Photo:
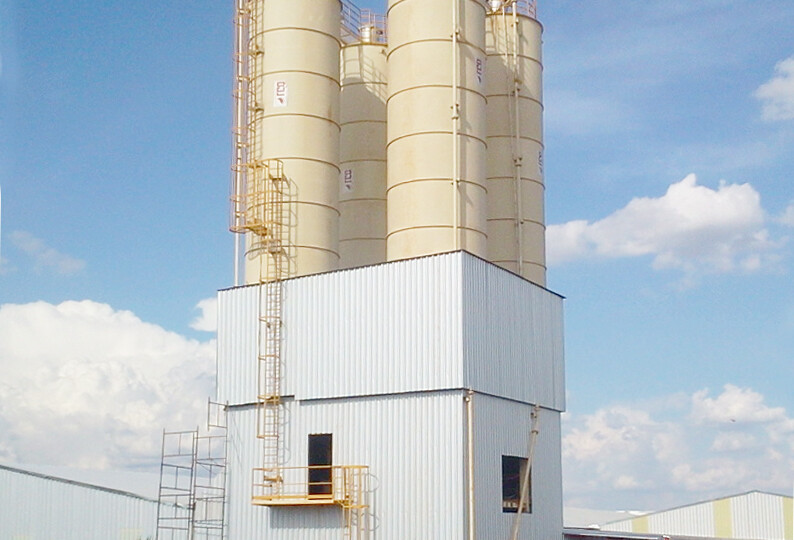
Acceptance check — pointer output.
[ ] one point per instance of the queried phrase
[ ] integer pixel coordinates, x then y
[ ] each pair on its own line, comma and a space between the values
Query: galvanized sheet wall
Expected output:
379, 329
512, 336
413, 445
753, 515
502, 427
433, 323
36, 507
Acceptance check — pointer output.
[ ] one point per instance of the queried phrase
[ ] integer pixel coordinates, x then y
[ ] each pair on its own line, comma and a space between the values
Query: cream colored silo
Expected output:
293, 116
516, 223
436, 198
362, 187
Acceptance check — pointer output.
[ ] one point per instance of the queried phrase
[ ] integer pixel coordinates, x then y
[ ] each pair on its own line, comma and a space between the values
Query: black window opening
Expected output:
320, 459
513, 471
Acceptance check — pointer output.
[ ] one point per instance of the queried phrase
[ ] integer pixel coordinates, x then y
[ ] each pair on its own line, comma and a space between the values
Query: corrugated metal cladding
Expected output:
37, 507
502, 427
433, 323
413, 444
753, 515
512, 336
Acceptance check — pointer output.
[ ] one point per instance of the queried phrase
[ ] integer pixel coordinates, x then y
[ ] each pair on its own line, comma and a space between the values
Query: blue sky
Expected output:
114, 160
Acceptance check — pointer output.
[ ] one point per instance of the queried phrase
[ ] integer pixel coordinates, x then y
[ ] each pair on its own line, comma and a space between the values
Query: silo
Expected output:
436, 195
362, 187
293, 116
516, 224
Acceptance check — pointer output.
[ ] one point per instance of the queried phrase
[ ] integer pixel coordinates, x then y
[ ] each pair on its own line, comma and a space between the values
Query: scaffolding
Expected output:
192, 493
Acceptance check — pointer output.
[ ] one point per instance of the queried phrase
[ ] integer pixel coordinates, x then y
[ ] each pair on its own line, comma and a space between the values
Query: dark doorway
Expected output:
320, 459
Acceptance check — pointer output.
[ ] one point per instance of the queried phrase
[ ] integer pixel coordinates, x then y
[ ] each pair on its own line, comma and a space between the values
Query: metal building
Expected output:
412, 399
35, 506
753, 516
423, 374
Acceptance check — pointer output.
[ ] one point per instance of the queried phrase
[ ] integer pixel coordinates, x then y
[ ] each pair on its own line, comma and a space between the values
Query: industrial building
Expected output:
753, 516
390, 363
37, 506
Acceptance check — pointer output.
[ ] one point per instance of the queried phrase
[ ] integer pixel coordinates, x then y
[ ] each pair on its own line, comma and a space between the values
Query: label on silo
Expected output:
347, 179
540, 162
280, 94
479, 66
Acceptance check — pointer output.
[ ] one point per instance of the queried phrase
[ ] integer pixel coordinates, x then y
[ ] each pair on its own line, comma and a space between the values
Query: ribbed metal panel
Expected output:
237, 345
39, 507
375, 330
502, 427
413, 445
758, 515
753, 515
512, 336
695, 520
433, 323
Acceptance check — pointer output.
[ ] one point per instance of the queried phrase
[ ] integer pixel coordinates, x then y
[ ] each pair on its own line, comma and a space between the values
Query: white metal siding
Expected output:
502, 427
753, 515
406, 326
34, 507
512, 337
413, 445
758, 515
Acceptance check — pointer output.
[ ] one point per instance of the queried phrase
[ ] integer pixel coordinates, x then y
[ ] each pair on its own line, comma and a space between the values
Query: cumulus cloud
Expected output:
634, 454
85, 385
691, 228
44, 256
733, 405
777, 94
208, 320
787, 218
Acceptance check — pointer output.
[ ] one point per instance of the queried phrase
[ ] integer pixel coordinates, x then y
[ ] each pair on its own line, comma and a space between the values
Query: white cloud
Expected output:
208, 320
44, 256
733, 405
85, 385
777, 94
648, 455
787, 218
691, 228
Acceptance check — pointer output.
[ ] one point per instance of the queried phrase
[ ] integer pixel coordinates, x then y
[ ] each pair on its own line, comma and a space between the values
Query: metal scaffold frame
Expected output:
192, 493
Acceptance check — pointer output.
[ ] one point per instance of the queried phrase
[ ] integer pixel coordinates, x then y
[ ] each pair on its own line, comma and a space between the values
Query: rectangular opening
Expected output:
320, 460
513, 470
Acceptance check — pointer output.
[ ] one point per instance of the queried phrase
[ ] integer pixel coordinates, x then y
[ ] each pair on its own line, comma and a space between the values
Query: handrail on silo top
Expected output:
361, 25
528, 8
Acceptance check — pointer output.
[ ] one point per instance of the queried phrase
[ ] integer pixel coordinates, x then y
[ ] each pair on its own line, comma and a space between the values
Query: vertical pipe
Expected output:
237, 134
469, 399
455, 117
517, 159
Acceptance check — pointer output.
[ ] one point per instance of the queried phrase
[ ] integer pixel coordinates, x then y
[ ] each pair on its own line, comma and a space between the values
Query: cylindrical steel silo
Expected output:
516, 223
293, 116
436, 196
362, 190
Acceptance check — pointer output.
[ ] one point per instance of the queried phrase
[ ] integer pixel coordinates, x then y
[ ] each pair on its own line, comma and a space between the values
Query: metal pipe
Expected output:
533, 437
469, 399
239, 122
518, 158
455, 118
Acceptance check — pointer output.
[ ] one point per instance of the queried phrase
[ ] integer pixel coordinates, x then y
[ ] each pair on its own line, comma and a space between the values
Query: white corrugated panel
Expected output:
502, 427
38, 507
405, 326
758, 515
512, 337
413, 445
697, 520
380, 329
